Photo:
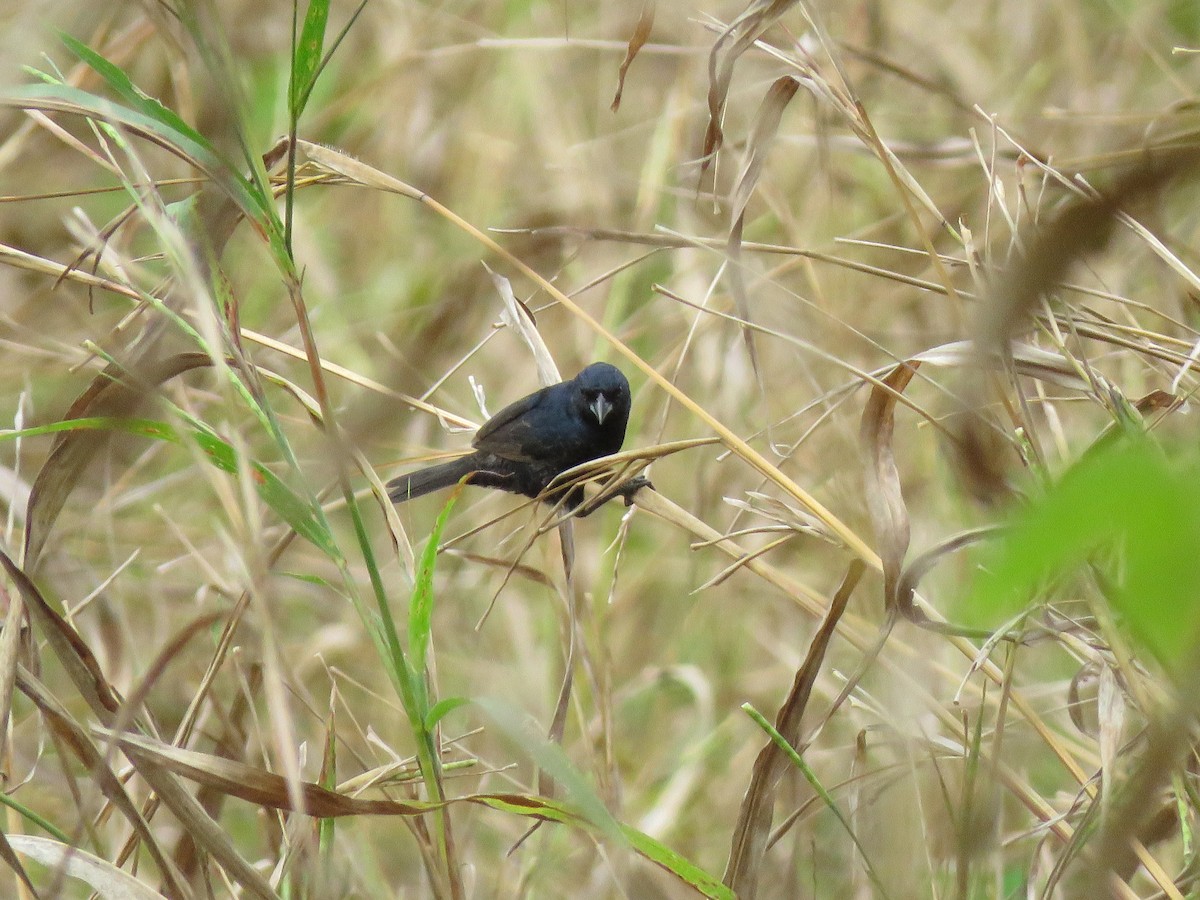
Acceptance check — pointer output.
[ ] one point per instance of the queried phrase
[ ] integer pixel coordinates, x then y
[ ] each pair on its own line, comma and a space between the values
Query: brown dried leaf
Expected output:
736, 40
115, 393
81, 666
258, 786
516, 315
230, 743
926, 560
1084, 226
68, 647
753, 827
881, 478
9, 857
102, 876
73, 737
236, 779
358, 172
1110, 713
762, 135
14, 640
1028, 360
267, 789
637, 40
207, 834
1157, 401
1081, 699
766, 124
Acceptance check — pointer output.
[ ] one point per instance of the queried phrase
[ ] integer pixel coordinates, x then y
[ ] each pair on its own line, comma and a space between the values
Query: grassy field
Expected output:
908, 297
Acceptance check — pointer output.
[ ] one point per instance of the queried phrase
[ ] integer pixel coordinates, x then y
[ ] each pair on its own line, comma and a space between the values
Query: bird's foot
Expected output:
626, 490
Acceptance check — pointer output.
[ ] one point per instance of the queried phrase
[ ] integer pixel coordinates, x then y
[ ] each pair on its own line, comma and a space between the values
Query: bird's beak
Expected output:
600, 408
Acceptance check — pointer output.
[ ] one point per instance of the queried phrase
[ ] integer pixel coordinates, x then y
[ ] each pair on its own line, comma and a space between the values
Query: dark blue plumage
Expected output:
527, 444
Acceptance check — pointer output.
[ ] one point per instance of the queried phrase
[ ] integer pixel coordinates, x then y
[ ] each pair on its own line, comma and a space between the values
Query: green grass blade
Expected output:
778, 739
420, 610
550, 757
441, 709
653, 850
283, 501
688, 872
62, 98
122, 85
307, 56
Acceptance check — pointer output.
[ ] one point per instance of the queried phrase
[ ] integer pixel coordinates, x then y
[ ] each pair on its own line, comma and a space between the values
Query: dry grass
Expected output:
207, 570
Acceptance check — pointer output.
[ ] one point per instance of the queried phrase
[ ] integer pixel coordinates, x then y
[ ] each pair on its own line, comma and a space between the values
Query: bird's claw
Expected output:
629, 489
626, 490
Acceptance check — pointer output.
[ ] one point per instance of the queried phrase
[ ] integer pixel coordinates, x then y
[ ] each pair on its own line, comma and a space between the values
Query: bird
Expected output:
526, 445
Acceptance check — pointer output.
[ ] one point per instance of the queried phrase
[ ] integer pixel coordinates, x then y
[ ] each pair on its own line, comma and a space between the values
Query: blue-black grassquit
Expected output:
524, 446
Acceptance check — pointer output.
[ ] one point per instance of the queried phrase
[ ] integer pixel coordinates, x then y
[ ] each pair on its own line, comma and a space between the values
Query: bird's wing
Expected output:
506, 434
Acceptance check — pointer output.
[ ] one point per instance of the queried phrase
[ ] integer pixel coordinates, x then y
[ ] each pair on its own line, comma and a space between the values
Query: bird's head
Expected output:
602, 396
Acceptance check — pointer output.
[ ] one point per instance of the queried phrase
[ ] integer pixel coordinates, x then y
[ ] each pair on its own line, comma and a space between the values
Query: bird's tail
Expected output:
432, 478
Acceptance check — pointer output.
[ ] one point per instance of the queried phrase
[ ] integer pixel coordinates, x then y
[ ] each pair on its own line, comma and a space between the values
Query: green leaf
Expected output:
798, 761
62, 98
326, 829
124, 87
420, 608
654, 851
282, 500
309, 578
37, 819
150, 428
687, 871
306, 63
285, 502
551, 758
441, 709
1125, 498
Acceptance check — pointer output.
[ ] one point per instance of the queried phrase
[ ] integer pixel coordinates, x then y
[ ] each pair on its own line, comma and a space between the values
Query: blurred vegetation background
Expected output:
884, 169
